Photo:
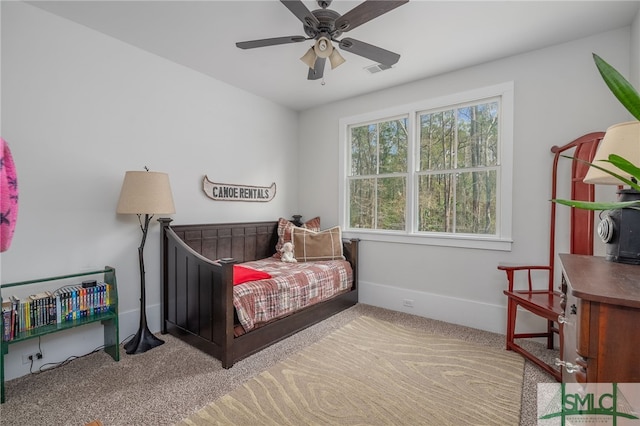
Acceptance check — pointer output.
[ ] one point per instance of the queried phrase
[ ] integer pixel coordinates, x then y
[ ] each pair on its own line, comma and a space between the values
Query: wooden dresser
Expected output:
601, 327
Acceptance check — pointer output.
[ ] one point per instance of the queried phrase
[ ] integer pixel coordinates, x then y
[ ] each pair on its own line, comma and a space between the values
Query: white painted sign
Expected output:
232, 192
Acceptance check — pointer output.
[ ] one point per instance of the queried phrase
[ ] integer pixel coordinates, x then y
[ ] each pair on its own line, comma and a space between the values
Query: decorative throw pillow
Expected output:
325, 245
284, 232
242, 274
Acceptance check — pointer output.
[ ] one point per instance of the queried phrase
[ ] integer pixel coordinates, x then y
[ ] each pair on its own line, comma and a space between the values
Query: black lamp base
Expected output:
144, 339
142, 342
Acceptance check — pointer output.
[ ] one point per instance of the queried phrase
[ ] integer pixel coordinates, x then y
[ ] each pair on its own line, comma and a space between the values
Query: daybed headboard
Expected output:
241, 241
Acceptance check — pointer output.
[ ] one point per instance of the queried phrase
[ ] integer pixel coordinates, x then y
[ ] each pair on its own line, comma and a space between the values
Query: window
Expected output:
378, 178
438, 172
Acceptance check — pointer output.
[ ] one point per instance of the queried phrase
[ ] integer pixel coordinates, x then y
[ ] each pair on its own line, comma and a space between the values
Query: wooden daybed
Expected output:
197, 288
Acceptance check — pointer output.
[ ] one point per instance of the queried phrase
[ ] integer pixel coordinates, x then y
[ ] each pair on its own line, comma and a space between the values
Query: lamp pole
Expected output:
144, 339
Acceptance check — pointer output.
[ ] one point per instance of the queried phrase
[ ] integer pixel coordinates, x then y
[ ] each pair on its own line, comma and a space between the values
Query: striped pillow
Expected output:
325, 245
284, 232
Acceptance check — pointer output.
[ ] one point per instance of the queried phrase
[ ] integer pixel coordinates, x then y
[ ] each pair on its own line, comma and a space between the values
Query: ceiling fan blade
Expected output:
369, 51
317, 71
302, 12
365, 12
269, 42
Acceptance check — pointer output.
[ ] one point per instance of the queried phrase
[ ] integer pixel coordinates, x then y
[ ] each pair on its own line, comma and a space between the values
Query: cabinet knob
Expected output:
569, 367
563, 320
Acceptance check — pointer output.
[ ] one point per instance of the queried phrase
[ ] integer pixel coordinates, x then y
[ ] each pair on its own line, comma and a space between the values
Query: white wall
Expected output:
78, 110
559, 96
635, 52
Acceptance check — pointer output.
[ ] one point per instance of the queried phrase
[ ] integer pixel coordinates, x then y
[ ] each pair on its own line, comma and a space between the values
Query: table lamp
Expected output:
620, 228
144, 193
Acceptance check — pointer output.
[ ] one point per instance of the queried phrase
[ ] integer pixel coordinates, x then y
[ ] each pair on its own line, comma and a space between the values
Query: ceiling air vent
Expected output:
377, 68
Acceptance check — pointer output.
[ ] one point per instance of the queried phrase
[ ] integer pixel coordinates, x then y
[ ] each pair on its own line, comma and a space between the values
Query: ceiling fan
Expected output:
325, 26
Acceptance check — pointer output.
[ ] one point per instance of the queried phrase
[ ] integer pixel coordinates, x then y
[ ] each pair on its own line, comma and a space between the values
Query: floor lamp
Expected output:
144, 193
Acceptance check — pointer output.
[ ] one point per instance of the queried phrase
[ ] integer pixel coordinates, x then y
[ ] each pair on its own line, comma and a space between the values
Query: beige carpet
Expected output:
171, 382
377, 373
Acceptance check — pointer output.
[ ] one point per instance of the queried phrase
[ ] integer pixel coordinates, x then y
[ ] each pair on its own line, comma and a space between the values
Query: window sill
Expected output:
461, 241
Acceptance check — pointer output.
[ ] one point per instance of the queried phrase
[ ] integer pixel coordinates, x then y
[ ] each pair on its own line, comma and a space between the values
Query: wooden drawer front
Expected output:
583, 320
616, 343
583, 339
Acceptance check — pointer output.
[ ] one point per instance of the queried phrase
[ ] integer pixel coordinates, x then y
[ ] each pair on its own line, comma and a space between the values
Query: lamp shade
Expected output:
336, 59
145, 193
309, 58
622, 139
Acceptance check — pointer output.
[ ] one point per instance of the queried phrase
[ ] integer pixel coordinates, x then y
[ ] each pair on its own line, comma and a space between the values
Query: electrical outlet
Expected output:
408, 303
30, 357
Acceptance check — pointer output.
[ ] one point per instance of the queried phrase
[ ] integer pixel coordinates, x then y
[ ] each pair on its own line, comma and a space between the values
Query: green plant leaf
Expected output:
619, 161
621, 88
589, 205
625, 165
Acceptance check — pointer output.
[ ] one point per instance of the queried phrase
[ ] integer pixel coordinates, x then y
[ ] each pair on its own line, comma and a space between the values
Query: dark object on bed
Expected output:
197, 294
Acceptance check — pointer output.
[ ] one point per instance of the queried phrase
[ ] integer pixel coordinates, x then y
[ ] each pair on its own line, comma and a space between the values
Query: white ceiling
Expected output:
432, 37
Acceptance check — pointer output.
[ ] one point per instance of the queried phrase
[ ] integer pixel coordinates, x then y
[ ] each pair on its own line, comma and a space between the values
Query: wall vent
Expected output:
377, 68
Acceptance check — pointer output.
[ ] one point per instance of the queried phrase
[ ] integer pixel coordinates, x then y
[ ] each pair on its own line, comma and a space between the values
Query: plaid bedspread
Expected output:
292, 286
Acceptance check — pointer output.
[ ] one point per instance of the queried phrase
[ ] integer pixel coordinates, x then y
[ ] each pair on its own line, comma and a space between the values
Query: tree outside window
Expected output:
458, 166
378, 175
453, 185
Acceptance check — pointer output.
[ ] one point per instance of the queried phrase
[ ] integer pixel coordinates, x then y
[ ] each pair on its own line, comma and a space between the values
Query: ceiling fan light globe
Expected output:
336, 59
309, 58
323, 47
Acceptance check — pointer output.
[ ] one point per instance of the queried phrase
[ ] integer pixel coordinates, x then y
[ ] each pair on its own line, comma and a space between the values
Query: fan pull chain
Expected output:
322, 82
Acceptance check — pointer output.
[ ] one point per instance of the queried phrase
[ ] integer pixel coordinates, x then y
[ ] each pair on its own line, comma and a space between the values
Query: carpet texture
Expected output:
172, 382
377, 373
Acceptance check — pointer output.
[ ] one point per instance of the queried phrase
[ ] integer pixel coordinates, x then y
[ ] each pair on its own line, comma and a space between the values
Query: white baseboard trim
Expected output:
470, 313
435, 306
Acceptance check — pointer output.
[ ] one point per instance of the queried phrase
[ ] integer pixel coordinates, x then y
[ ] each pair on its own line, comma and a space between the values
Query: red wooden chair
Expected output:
545, 301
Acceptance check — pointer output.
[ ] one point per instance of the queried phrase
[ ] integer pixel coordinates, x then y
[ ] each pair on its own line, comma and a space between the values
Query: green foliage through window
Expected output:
455, 177
378, 186
457, 174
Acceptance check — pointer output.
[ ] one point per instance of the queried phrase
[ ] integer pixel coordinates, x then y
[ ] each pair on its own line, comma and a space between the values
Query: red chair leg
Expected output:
512, 308
550, 334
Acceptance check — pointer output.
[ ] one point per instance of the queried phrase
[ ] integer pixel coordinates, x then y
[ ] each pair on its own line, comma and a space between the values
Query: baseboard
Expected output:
429, 305
470, 313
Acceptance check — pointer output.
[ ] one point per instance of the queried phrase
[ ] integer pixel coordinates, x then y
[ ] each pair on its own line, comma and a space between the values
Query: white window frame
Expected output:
502, 240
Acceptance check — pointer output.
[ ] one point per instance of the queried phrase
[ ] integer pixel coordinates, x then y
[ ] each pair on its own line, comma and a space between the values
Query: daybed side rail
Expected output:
195, 291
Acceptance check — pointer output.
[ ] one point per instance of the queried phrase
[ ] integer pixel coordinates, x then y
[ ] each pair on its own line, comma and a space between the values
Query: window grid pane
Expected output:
393, 146
364, 150
455, 194
476, 202
437, 134
478, 135
362, 206
435, 195
392, 202
377, 183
